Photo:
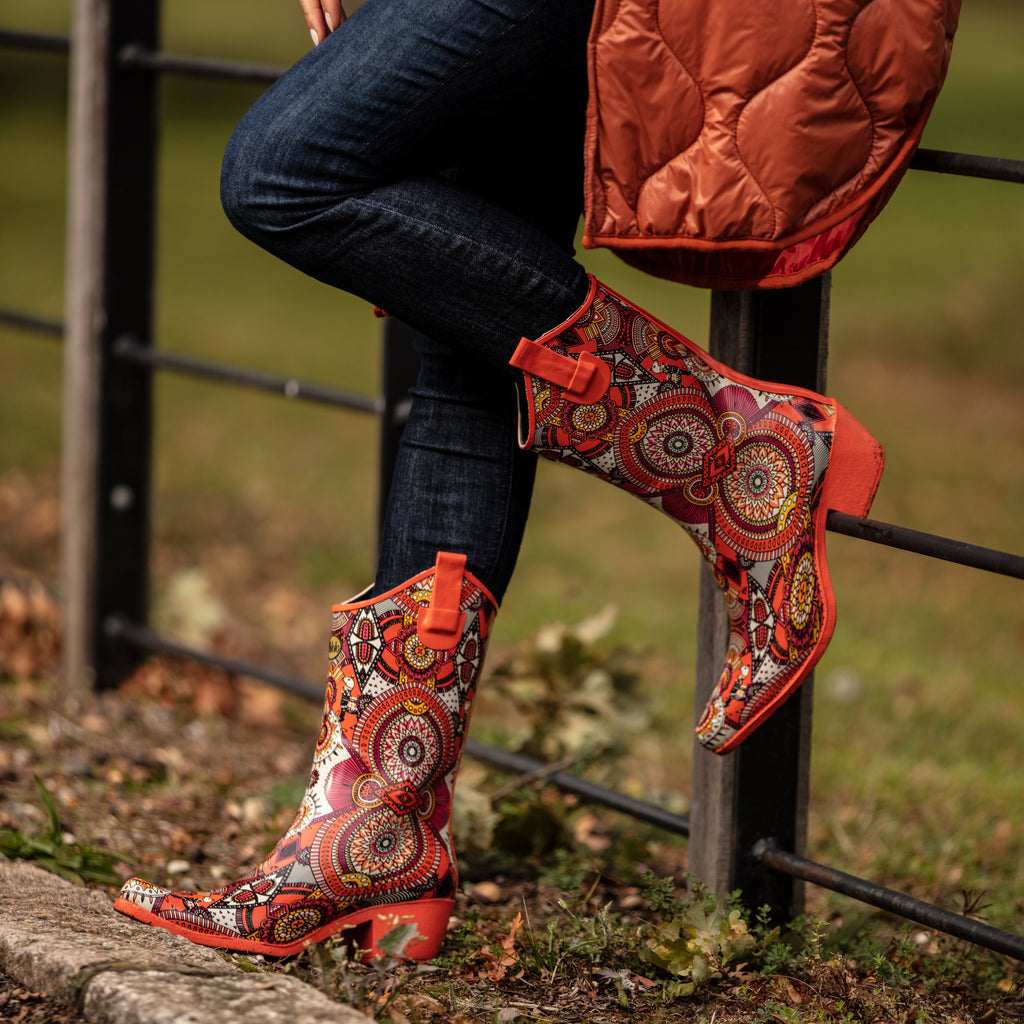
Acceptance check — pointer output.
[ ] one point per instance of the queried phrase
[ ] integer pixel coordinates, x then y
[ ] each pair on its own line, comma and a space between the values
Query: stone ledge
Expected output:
71, 944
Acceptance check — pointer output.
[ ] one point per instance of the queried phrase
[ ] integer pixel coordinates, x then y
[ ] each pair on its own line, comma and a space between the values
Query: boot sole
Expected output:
363, 930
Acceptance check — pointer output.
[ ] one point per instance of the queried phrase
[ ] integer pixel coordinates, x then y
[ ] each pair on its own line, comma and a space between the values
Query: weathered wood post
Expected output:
107, 404
760, 790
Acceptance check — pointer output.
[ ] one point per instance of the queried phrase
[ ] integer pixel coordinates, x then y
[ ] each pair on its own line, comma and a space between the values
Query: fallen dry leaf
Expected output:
508, 943
29, 629
497, 966
485, 891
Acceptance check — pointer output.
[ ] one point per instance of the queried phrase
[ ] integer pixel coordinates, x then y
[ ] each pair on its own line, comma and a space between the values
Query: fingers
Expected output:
334, 13
314, 15
322, 17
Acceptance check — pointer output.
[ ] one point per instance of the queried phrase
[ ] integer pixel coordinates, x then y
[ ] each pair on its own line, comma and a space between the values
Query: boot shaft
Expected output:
400, 686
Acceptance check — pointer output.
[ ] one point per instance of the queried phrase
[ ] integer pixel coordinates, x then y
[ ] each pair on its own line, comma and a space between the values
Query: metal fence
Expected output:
749, 821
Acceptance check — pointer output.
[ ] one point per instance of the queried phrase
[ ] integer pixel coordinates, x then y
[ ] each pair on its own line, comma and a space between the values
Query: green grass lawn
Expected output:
918, 774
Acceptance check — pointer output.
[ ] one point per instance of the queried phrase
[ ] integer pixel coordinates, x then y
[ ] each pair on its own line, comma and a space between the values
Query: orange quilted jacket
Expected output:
748, 143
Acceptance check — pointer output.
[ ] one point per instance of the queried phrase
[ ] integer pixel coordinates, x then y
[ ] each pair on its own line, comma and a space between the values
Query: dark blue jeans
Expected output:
427, 156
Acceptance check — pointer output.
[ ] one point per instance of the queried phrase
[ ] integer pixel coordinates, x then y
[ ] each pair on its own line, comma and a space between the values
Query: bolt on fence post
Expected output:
105, 453
760, 790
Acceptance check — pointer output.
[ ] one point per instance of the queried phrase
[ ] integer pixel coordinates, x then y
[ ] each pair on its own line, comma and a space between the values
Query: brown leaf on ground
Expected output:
498, 965
29, 629
508, 943
20, 1005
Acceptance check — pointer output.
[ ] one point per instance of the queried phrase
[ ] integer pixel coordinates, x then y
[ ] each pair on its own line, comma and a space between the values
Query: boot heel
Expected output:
854, 469
429, 916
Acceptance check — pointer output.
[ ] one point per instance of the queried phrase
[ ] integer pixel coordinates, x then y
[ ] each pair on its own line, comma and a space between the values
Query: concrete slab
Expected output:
71, 944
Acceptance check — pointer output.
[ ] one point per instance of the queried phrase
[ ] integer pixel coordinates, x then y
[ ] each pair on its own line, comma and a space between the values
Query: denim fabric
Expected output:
461, 482
427, 156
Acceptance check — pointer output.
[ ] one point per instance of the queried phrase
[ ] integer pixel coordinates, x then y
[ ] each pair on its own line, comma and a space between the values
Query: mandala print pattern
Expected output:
748, 470
373, 830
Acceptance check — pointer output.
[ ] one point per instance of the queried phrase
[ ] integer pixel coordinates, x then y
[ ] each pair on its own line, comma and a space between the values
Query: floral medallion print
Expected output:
748, 470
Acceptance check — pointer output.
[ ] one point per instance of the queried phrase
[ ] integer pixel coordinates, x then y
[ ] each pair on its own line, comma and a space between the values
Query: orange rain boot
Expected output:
748, 469
370, 846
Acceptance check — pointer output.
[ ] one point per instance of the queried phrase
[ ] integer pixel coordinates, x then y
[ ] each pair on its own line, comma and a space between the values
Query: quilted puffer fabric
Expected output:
748, 143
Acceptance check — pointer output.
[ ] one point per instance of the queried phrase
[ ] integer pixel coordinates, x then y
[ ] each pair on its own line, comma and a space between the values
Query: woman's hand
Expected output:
322, 17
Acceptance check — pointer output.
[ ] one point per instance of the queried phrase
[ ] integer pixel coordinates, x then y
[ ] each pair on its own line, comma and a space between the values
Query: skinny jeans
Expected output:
427, 157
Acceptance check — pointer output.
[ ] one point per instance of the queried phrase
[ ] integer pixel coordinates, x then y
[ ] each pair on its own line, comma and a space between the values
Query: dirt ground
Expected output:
20, 1006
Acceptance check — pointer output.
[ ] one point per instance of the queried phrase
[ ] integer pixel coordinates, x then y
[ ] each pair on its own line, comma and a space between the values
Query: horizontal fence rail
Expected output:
993, 168
31, 322
972, 555
198, 67
766, 853
870, 530
290, 387
40, 42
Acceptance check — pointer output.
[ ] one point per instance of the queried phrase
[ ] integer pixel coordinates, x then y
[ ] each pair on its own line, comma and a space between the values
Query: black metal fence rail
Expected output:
198, 67
31, 322
993, 168
767, 855
743, 835
289, 387
152, 642
972, 555
41, 42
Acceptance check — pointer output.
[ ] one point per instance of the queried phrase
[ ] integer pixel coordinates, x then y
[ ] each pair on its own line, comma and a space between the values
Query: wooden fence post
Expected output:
760, 790
107, 404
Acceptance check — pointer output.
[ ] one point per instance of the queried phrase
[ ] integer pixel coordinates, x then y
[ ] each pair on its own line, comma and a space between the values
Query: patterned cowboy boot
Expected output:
370, 846
748, 469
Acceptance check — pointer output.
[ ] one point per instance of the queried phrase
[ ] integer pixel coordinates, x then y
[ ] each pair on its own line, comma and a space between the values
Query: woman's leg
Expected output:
341, 168
497, 89
461, 482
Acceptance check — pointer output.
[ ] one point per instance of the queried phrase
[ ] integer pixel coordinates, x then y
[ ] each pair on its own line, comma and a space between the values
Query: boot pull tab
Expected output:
441, 624
583, 380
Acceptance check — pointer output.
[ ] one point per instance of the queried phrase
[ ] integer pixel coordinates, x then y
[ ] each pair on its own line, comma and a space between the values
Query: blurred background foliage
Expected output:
918, 770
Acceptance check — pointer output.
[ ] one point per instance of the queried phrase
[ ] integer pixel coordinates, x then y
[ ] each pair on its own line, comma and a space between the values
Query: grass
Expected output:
918, 771
694, 957
57, 851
